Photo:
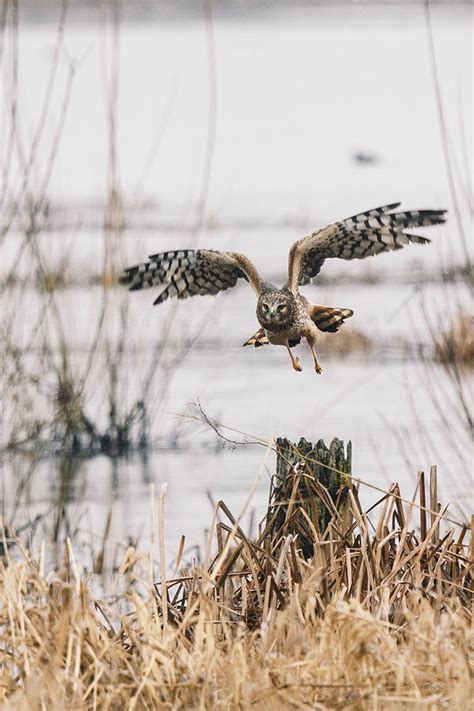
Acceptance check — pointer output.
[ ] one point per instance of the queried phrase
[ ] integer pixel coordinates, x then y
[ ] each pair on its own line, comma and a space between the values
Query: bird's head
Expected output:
275, 309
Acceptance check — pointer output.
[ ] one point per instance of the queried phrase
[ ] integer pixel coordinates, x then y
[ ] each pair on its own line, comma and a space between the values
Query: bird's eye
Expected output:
265, 307
281, 307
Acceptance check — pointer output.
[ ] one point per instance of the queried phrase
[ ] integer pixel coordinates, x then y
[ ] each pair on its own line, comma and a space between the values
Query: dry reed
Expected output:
377, 618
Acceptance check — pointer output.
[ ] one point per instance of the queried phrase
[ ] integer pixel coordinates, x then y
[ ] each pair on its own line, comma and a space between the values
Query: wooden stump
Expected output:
309, 490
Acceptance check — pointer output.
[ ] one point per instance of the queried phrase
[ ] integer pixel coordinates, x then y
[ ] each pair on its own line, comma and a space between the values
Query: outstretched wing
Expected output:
357, 237
189, 272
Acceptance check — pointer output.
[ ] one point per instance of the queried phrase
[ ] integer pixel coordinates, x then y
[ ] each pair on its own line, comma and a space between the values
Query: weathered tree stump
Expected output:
309, 490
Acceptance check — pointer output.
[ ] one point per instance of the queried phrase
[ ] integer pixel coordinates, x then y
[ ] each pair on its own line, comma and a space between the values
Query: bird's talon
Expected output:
318, 369
296, 365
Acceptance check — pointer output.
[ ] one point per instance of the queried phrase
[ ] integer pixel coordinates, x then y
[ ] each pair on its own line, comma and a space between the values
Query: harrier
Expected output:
285, 315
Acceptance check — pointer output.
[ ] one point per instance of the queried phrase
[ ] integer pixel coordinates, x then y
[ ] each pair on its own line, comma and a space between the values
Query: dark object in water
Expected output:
365, 158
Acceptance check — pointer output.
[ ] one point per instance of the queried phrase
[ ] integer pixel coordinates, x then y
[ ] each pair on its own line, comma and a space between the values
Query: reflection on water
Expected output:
356, 400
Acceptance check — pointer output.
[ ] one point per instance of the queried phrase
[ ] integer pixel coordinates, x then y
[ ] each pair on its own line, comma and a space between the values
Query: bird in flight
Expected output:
285, 316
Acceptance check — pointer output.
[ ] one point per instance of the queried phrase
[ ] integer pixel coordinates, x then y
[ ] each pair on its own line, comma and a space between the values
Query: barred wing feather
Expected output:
189, 272
363, 235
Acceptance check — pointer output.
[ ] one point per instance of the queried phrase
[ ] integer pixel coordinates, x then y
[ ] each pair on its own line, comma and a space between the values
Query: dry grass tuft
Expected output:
347, 341
456, 345
377, 618
61, 651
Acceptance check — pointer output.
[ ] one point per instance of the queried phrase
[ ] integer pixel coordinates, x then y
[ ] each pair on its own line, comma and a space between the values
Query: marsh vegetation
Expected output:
371, 611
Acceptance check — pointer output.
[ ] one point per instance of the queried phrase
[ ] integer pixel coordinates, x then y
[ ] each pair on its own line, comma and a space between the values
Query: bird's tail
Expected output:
329, 319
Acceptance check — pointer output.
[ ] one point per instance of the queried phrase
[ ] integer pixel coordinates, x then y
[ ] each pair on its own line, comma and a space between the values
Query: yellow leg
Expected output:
294, 360
317, 367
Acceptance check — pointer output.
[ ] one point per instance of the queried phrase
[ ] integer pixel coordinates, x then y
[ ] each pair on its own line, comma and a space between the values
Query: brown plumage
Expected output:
326, 318
285, 315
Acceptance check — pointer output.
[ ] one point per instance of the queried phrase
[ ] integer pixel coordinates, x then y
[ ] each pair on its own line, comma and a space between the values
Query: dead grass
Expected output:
347, 341
378, 617
456, 344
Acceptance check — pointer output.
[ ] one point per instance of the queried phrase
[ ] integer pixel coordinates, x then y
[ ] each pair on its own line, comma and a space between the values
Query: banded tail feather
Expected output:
258, 339
329, 319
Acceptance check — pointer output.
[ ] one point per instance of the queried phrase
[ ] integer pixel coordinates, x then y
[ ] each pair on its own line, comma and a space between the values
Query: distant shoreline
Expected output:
190, 10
